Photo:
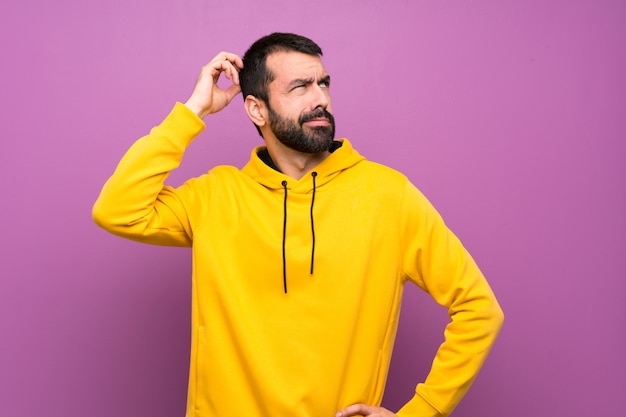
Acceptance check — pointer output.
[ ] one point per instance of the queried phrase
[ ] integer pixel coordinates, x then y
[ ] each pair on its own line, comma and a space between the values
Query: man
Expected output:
300, 258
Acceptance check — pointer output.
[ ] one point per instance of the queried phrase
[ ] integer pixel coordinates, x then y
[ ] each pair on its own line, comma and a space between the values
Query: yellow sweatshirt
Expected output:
297, 283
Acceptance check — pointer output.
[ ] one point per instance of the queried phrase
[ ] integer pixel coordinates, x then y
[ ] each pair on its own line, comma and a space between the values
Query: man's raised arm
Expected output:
134, 203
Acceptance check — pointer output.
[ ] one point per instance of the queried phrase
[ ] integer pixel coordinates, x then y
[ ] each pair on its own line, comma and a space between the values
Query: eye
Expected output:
298, 87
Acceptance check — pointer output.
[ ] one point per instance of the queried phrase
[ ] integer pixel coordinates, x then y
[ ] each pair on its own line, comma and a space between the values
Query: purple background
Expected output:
510, 116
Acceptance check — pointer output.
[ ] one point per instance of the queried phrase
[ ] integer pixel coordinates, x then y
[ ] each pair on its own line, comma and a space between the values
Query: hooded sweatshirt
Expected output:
297, 283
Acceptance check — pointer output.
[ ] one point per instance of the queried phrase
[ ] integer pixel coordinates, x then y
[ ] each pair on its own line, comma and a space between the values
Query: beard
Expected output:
302, 138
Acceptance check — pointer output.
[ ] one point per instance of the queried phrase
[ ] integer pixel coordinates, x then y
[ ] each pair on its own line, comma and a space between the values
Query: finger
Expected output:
232, 91
236, 64
227, 68
228, 63
234, 59
216, 68
232, 71
356, 409
236, 75
212, 70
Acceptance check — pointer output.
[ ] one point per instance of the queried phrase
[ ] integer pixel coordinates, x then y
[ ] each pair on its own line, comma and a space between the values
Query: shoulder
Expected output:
221, 174
391, 184
373, 171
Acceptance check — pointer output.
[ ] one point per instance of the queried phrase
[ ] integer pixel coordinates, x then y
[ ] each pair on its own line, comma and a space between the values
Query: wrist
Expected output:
196, 109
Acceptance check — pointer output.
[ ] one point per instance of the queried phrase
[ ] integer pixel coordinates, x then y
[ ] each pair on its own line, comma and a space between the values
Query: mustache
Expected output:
316, 114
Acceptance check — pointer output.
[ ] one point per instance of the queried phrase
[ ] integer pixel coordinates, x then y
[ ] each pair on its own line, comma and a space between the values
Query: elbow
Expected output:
99, 215
489, 312
102, 216
496, 315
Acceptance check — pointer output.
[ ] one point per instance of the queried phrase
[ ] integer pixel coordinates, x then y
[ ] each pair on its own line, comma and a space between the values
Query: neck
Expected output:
293, 163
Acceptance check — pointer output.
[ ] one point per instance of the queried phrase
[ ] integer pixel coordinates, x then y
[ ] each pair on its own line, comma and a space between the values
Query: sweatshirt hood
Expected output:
341, 158
344, 157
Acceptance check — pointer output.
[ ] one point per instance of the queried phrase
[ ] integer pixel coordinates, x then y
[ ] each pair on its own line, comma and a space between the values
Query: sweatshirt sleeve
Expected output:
437, 262
134, 202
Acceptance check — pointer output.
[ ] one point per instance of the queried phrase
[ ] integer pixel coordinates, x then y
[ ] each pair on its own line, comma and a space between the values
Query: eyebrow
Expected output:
307, 81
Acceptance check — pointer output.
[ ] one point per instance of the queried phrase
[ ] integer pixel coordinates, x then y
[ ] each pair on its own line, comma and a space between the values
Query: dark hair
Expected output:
255, 78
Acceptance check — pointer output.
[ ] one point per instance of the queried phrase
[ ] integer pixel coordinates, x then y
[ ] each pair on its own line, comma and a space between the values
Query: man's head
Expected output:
285, 88
255, 77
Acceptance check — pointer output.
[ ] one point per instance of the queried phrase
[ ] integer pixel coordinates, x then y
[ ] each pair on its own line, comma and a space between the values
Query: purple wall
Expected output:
510, 116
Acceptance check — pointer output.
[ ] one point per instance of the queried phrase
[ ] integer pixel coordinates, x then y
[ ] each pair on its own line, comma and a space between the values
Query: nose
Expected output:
321, 97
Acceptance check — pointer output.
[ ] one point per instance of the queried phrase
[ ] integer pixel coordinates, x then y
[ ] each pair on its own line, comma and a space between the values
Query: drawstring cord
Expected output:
313, 175
284, 184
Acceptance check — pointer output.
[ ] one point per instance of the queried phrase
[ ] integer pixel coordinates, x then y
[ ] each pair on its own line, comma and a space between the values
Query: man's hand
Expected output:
364, 410
207, 97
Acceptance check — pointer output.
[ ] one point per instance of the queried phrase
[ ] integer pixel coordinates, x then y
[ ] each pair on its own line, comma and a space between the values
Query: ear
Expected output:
256, 110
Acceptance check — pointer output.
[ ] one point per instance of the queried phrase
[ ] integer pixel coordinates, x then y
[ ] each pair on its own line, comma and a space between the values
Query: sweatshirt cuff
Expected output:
181, 125
419, 407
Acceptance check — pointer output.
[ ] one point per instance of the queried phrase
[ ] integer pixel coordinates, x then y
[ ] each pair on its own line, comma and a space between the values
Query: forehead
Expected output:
288, 66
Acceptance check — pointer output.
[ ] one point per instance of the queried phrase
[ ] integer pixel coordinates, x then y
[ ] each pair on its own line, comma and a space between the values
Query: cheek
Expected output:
287, 108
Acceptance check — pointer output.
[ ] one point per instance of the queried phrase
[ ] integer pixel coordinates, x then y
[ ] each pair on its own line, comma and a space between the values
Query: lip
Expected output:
318, 122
